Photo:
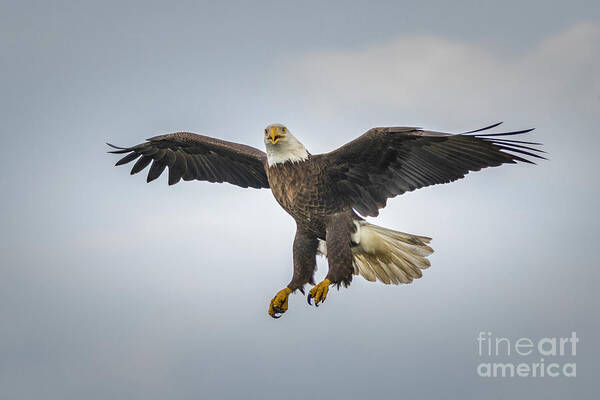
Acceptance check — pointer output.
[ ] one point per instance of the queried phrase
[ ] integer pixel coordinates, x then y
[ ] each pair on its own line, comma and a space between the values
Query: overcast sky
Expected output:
114, 288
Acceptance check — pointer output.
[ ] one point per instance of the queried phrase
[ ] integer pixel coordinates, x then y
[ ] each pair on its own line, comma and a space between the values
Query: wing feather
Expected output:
128, 158
156, 169
141, 164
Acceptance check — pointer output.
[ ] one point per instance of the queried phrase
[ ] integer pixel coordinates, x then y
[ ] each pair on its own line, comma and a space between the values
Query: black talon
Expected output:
308, 299
276, 316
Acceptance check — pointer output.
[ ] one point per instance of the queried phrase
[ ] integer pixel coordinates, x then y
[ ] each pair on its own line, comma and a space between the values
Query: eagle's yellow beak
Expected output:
274, 134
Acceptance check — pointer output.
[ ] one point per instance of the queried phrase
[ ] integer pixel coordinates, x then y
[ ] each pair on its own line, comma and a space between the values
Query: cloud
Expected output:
427, 72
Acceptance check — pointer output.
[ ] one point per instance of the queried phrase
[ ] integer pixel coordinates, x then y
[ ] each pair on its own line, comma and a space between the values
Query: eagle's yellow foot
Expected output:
319, 292
279, 304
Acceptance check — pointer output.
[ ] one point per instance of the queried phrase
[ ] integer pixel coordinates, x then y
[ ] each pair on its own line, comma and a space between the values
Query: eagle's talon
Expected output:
308, 299
319, 292
279, 303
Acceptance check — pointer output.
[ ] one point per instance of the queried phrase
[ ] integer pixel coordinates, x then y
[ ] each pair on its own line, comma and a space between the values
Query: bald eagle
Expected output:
329, 194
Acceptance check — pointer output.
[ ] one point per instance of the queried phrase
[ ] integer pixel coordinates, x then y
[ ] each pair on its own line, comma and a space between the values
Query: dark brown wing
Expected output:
190, 156
386, 162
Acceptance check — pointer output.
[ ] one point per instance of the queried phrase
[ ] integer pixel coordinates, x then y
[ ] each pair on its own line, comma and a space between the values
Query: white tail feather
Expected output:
386, 255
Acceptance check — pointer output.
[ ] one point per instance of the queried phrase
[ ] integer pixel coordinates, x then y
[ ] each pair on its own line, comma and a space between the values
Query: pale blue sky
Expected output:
113, 288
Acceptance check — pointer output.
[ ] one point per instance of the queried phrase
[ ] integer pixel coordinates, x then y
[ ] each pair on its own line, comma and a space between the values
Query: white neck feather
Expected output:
287, 149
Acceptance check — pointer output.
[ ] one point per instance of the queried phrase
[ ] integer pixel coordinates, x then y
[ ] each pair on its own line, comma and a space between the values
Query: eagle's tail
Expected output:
387, 255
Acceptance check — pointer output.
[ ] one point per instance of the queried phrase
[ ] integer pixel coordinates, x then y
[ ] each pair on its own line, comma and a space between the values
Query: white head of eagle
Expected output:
282, 146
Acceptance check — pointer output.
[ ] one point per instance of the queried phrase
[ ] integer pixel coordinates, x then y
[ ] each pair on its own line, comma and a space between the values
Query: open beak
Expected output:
274, 137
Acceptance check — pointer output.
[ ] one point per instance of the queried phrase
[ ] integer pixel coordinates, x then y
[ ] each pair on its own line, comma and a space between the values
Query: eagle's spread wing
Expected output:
386, 162
190, 156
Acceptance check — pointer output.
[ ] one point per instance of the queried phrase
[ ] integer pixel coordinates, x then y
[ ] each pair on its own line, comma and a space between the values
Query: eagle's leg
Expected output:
339, 255
305, 264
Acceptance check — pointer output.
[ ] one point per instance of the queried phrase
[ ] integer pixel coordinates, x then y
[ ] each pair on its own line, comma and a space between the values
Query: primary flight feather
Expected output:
326, 194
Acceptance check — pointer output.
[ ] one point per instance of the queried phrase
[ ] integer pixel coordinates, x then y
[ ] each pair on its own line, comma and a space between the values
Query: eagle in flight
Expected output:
329, 194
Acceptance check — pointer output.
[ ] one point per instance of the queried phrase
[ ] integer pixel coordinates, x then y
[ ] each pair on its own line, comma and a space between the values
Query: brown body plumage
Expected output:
302, 189
326, 193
